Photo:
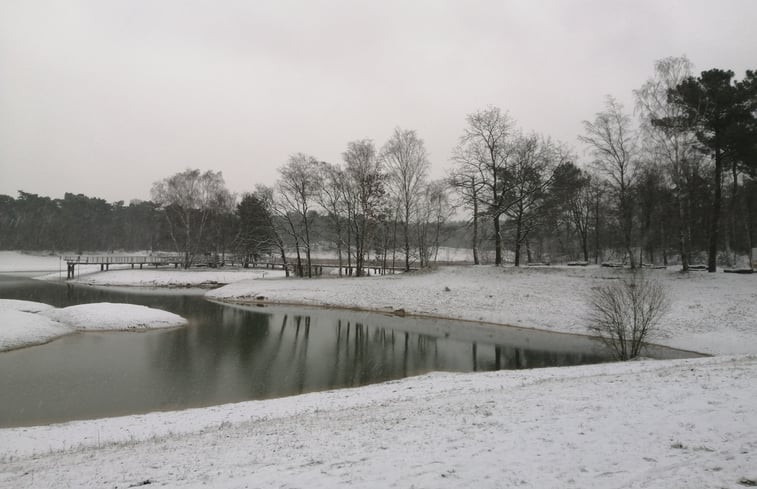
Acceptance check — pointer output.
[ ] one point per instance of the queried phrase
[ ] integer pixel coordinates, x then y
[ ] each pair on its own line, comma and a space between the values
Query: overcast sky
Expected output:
105, 97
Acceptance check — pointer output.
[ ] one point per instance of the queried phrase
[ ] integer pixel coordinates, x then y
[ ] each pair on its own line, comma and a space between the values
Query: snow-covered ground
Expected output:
26, 323
690, 423
14, 261
680, 423
710, 313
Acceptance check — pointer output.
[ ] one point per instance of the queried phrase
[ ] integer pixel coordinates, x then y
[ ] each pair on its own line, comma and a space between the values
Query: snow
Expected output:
682, 423
19, 329
26, 323
24, 306
14, 261
107, 316
711, 313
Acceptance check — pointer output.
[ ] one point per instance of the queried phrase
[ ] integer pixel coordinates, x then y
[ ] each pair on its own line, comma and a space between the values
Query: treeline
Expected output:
76, 223
676, 181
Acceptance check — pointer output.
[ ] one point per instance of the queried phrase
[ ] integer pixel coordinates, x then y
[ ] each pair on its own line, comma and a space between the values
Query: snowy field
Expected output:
681, 423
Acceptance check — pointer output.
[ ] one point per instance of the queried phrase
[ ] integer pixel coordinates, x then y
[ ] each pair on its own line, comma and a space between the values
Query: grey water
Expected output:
235, 353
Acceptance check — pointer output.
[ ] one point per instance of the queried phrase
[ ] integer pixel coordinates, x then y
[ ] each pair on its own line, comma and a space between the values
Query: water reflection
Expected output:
231, 353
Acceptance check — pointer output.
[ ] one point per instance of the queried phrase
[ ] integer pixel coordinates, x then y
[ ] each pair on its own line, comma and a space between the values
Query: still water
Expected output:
234, 353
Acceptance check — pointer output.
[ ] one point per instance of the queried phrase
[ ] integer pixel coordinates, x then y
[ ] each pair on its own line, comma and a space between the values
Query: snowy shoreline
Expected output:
711, 313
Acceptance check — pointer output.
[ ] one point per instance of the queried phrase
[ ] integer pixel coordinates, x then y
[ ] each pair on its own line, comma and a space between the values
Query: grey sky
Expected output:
105, 97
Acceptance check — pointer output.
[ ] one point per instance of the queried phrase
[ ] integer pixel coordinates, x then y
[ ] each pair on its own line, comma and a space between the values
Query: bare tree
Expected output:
265, 196
672, 146
612, 142
532, 171
407, 164
624, 314
188, 199
468, 185
434, 211
331, 197
485, 148
364, 191
298, 187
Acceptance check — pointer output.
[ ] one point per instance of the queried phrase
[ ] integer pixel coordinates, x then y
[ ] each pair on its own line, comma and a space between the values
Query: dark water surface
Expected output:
234, 353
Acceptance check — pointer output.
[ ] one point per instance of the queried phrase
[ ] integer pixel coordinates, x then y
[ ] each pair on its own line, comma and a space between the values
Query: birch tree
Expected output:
672, 145
188, 199
298, 186
365, 190
611, 140
407, 165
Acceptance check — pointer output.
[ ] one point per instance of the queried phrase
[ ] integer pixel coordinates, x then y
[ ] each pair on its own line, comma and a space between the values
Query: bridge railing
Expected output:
123, 260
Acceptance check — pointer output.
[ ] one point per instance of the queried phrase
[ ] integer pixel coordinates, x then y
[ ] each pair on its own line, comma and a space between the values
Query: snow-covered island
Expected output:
644, 424
26, 323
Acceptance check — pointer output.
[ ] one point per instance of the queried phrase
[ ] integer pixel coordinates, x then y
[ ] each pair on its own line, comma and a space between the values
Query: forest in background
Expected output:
672, 181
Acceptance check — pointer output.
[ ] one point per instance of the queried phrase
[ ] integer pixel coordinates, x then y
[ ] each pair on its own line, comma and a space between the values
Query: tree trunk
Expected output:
497, 242
712, 256
518, 229
407, 237
394, 243
476, 260
682, 234
299, 257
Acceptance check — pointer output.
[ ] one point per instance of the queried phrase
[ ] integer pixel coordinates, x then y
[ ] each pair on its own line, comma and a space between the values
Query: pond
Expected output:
233, 353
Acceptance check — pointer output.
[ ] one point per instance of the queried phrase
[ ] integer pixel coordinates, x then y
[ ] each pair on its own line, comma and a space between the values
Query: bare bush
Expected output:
625, 314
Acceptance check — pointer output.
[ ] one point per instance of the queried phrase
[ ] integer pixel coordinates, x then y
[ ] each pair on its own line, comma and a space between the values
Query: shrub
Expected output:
625, 314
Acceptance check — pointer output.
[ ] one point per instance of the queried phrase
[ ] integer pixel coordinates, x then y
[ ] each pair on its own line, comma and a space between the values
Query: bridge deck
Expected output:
316, 269
124, 260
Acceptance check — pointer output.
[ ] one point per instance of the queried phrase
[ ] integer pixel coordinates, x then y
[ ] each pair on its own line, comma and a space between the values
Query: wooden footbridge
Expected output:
105, 261
316, 269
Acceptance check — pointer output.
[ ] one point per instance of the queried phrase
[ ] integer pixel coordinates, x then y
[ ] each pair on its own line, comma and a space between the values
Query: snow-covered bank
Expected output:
106, 316
19, 329
26, 323
711, 313
690, 423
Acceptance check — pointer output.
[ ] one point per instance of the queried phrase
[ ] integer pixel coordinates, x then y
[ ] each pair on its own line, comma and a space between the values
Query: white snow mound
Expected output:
24, 306
107, 316
18, 328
